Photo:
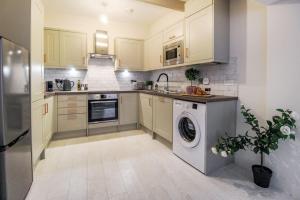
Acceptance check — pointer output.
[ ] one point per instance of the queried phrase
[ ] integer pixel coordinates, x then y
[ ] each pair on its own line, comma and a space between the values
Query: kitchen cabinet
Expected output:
37, 51
128, 108
129, 53
207, 34
146, 110
64, 49
51, 45
38, 111
72, 113
49, 120
174, 32
154, 52
73, 49
193, 6
163, 117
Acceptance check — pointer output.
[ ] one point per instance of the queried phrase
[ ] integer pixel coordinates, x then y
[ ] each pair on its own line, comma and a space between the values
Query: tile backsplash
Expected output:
101, 76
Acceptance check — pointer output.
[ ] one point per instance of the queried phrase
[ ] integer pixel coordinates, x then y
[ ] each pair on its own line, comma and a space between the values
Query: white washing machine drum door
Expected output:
188, 129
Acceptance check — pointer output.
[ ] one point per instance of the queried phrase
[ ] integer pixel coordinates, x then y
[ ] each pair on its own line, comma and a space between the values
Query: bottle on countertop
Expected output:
78, 85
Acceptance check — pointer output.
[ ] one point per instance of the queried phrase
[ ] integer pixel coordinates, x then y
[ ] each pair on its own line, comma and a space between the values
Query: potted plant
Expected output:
192, 75
265, 140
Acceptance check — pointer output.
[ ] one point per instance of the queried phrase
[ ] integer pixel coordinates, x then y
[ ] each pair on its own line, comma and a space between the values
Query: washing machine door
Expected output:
188, 129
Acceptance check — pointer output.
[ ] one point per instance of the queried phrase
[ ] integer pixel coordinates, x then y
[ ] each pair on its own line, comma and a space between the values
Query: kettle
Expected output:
65, 85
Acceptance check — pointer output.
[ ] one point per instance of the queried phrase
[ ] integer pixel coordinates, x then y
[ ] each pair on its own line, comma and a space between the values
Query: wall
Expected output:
15, 21
99, 76
282, 82
90, 25
248, 44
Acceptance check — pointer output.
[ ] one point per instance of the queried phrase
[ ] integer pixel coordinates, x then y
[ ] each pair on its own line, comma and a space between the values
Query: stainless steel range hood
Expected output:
101, 46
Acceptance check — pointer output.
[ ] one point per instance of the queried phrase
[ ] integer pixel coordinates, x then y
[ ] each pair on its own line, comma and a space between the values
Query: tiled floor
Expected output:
133, 167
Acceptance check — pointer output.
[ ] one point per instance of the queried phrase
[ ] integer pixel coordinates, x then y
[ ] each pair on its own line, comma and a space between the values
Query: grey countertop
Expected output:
197, 99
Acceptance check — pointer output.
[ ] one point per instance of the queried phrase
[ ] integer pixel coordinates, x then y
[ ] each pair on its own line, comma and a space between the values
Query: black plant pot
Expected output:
262, 175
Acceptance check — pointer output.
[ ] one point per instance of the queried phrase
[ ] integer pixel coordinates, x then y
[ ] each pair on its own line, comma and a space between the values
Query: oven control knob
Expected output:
103, 96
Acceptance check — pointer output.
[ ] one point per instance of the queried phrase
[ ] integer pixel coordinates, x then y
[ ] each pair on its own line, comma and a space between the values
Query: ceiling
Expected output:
116, 10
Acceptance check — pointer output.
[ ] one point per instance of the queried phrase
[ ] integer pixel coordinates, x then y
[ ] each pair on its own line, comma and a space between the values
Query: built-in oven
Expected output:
102, 108
174, 53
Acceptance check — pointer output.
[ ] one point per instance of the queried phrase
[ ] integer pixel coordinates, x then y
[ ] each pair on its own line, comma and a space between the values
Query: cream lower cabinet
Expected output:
128, 108
72, 113
130, 54
146, 110
163, 117
49, 120
38, 110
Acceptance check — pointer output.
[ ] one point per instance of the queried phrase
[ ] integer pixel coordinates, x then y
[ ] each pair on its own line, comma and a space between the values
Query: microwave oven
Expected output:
174, 53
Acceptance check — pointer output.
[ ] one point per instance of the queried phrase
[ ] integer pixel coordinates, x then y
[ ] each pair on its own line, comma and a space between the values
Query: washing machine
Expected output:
189, 133
197, 127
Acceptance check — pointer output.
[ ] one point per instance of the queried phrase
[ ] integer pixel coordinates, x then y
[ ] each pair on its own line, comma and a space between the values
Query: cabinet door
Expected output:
193, 6
73, 49
36, 53
37, 117
155, 52
51, 45
48, 120
163, 117
145, 110
129, 53
173, 32
199, 36
128, 104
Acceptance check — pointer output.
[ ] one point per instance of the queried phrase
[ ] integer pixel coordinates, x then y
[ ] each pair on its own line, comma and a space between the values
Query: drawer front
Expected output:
72, 122
71, 104
63, 98
69, 111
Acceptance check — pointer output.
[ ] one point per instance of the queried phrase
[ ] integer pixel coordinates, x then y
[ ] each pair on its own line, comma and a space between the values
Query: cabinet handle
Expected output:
150, 103
45, 58
47, 108
121, 100
161, 99
72, 117
83, 59
160, 59
172, 37
119, 62
187, 52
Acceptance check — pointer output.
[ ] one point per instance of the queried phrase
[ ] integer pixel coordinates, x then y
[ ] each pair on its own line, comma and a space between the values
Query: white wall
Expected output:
248, 45
90, 25
168, 20
283, 89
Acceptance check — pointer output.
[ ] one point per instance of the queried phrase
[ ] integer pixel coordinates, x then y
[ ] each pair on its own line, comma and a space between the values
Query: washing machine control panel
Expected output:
195, 106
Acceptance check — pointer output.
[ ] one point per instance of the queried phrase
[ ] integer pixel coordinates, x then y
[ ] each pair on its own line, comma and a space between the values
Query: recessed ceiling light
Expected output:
103, 19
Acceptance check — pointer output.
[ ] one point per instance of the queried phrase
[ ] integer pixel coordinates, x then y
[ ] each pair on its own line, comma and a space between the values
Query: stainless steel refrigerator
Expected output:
15, 135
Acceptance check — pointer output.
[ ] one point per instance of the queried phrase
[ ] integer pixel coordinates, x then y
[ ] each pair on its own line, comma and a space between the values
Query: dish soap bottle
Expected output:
78, 85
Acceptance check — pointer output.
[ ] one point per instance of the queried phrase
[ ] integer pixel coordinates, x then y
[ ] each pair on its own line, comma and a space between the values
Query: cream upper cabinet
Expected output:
207, 34
199, 36
154, 52
73, 50
38, 111
193, 6
174, 32
146, 110
128, 108
37, 51
163, 117
129, 54
51, 46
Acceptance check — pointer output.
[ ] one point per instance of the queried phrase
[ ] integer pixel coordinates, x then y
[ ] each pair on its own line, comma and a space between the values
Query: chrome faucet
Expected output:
166, 75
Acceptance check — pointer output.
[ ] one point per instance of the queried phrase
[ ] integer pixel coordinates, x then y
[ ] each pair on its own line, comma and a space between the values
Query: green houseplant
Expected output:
265, 140
191, 74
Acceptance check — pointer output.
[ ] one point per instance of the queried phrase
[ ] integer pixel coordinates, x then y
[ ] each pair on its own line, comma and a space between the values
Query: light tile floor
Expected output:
132, 166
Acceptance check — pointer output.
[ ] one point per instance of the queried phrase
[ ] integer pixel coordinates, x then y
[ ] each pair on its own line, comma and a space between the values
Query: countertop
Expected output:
198, 99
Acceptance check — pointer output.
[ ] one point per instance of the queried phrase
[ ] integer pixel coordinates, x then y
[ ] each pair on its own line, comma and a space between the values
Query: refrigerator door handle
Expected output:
4, 148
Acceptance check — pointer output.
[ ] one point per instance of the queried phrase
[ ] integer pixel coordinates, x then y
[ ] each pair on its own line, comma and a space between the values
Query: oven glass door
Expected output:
103, 110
